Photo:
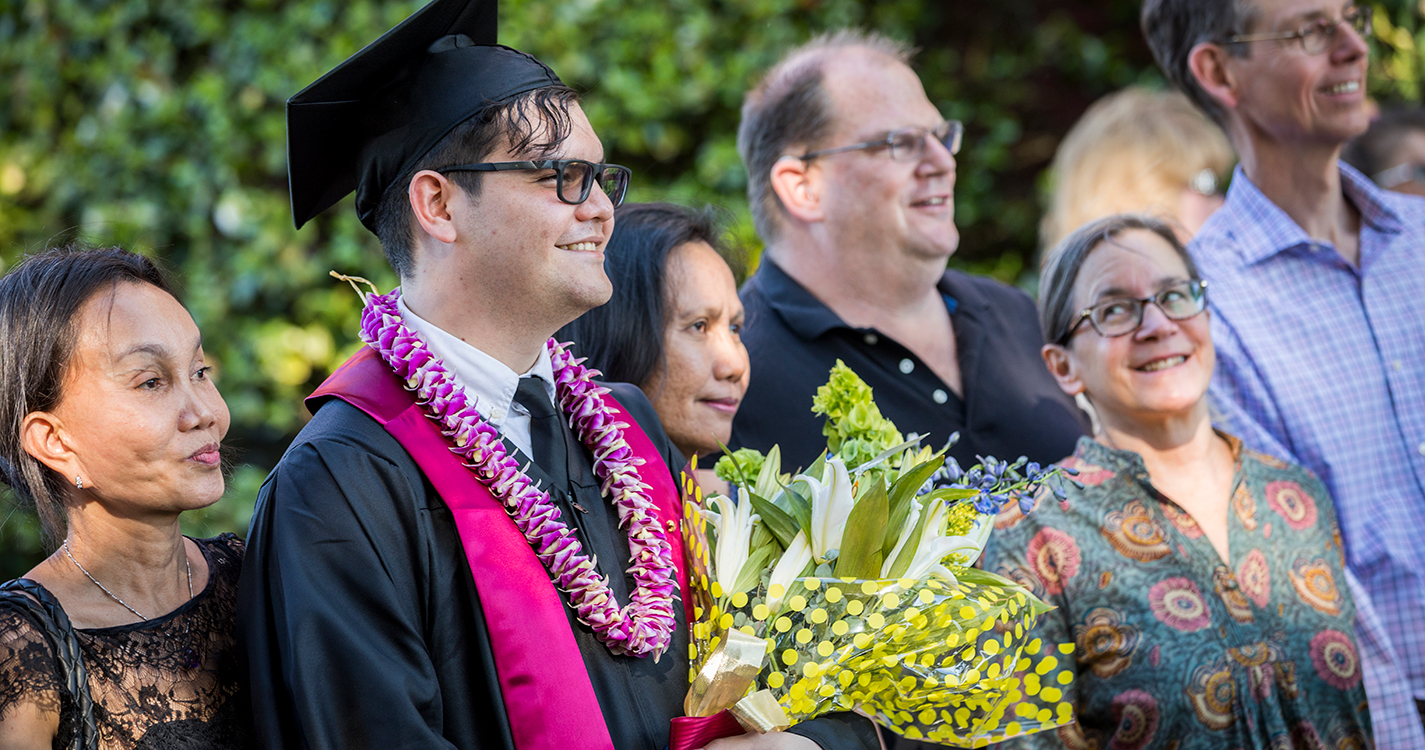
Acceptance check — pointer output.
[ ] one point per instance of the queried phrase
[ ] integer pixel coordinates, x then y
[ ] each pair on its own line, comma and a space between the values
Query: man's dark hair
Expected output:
40, 300
1174, 27
1375, 150
535, 123
790, 108
624, 338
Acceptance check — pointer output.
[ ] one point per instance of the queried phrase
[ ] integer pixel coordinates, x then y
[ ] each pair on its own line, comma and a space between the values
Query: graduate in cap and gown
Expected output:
471, 544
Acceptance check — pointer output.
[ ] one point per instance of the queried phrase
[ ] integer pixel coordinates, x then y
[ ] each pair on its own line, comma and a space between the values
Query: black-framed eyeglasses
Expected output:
574, 179
906, 144
1123, 315
1316, 37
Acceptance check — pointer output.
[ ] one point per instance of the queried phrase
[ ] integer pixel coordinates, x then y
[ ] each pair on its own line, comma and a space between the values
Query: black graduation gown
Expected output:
360, 620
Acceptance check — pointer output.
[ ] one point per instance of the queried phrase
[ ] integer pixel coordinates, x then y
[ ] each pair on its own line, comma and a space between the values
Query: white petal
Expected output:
793, 562
832, 501
911, 519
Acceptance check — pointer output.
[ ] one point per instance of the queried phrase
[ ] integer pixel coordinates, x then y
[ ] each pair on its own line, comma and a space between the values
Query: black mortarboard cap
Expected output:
360, 126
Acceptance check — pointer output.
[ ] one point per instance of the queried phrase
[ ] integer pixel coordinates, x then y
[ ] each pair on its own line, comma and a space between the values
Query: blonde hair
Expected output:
1133, 151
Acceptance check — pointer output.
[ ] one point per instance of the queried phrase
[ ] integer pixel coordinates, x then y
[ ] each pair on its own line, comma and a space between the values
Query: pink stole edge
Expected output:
548, 697
667, 500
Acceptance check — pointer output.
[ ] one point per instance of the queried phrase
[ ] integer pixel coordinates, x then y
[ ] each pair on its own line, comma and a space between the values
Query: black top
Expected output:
362, 624
169, 682
1012, 405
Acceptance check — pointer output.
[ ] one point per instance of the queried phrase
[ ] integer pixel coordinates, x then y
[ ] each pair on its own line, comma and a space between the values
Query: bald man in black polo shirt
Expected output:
851, 179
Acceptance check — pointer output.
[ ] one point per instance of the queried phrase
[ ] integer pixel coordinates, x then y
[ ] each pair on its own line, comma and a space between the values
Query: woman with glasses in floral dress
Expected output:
1199, 582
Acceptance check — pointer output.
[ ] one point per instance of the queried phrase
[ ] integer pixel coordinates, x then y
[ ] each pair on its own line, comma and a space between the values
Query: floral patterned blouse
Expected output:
1174, 648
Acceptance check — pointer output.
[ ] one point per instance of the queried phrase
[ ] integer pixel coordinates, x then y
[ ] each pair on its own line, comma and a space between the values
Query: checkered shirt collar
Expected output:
1272, 231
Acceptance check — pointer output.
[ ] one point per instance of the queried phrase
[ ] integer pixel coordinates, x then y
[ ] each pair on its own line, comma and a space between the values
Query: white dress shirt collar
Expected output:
489, 380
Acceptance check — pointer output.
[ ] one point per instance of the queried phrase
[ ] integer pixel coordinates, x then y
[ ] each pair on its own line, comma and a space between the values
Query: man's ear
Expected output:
1062, 367
1208, 64
42, 436
431, 195
798, 187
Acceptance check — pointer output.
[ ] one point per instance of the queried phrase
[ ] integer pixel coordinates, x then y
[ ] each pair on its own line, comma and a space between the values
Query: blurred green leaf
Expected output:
861, 554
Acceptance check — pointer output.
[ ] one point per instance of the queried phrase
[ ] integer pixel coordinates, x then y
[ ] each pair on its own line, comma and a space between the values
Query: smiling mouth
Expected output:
582, 247
936, 201
1158, 365
1345, 87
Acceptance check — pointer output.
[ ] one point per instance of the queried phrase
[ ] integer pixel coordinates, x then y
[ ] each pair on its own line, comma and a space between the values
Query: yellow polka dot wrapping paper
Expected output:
949, 662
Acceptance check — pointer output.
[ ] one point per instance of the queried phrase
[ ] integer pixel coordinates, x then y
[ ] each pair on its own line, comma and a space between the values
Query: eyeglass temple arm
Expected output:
501, 166
841, 149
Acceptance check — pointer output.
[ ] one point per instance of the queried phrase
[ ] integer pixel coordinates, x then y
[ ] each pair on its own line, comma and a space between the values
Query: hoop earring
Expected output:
79, 482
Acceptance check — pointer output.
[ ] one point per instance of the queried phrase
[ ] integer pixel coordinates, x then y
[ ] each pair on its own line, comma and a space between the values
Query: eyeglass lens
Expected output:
909, 144
1317, 37
614, 182
577, 178
1122, 316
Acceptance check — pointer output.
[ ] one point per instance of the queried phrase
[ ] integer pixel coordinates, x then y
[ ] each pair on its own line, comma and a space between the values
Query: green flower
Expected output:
855, 429
746, 460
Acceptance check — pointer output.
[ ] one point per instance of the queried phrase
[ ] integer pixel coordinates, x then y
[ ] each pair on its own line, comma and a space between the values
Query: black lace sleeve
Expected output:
29, 672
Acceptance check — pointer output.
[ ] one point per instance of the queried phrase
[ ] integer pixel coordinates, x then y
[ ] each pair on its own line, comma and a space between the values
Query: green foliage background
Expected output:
158, 125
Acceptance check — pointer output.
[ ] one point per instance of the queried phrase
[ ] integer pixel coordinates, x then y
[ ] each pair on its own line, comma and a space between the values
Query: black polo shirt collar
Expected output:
809, 318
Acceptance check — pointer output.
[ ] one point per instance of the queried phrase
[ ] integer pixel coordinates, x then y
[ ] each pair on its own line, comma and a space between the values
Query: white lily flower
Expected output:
935, 546
831, 503
793, 562
912, 518
765, 483
734, 536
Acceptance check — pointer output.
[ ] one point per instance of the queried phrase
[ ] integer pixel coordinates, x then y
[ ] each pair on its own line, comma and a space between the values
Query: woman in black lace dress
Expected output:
111, 425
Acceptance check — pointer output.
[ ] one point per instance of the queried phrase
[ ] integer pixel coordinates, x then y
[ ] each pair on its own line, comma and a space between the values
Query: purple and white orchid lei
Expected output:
646, 625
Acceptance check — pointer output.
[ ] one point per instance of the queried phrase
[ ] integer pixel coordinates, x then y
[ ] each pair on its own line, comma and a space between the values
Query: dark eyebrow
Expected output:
881, 135
157, 351
702, 311
1301, 19
1114, 292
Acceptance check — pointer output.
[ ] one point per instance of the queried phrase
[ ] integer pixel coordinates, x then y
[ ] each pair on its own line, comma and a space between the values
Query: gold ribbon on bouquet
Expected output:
729, 672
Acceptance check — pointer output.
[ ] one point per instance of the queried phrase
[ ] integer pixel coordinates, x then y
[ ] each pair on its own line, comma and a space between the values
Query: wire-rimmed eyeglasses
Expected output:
574, 179
906, 144
1123, 315
1315, 37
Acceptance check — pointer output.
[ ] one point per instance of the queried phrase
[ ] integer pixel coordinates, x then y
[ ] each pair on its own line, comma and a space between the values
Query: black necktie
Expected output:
546, 432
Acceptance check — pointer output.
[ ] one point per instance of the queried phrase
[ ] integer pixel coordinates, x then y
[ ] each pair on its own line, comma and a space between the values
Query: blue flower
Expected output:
1026, 503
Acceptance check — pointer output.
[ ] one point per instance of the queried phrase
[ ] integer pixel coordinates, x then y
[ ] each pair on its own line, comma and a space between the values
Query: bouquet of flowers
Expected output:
849, 586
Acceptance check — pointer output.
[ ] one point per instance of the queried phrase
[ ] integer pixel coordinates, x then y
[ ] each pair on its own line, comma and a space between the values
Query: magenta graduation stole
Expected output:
548, 697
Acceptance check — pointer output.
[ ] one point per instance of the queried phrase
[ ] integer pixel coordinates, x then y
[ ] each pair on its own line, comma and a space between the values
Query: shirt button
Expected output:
497, 413
907, 366
871, 339
1421, 449
940, 396
1396, 364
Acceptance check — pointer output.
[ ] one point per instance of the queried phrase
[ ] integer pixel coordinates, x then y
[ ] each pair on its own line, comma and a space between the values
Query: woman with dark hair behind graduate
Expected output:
673, 325
111, 426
